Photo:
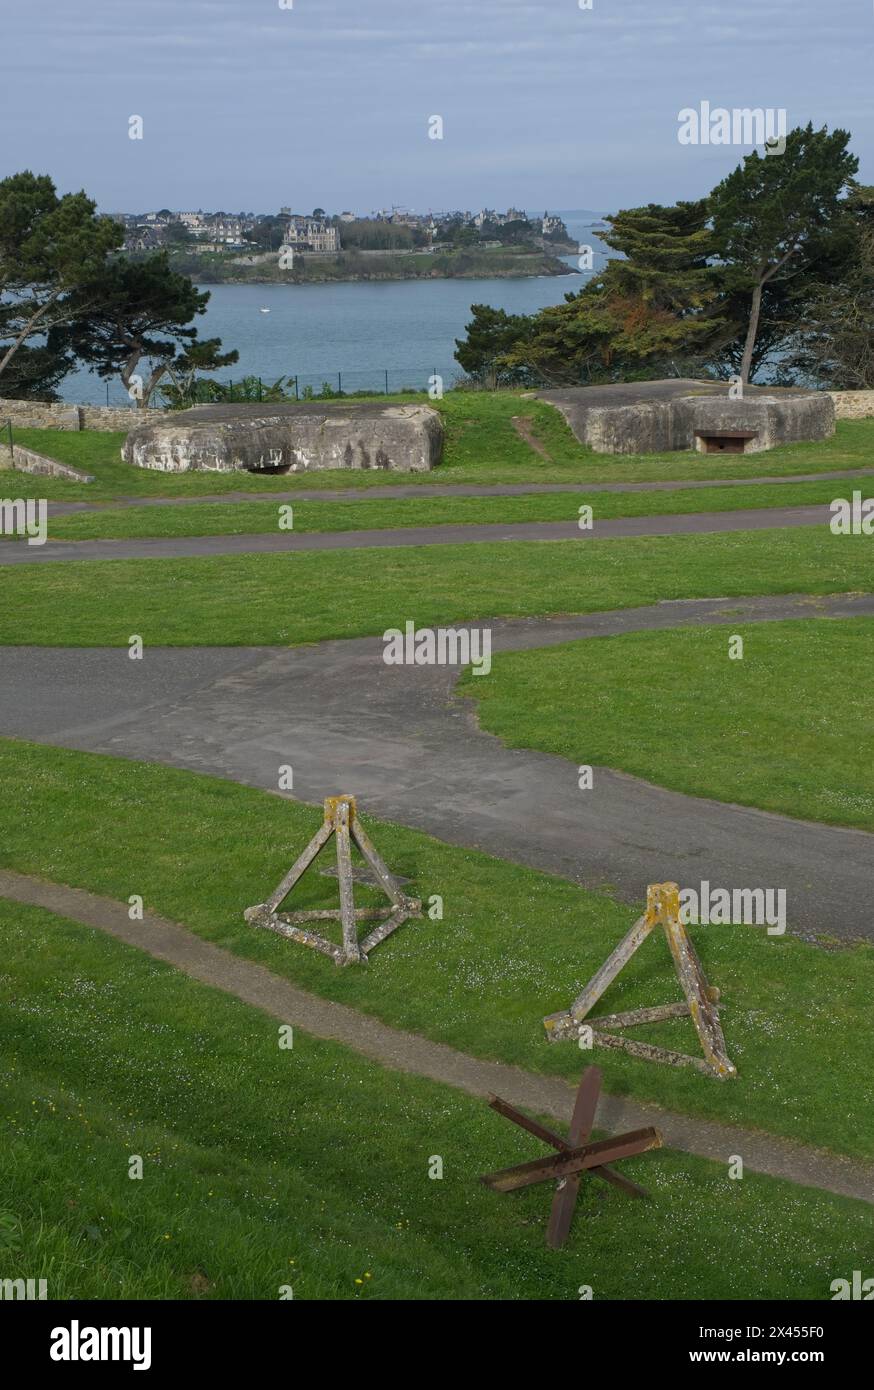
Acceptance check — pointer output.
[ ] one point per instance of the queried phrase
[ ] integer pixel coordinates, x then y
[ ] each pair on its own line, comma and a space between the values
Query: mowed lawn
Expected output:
287, 599
482, 445
787, 727
270, 1170
513, 945
248, 518
302, 1172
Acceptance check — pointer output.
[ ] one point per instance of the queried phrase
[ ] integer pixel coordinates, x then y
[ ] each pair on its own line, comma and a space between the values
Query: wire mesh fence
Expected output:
321, 385
385, 381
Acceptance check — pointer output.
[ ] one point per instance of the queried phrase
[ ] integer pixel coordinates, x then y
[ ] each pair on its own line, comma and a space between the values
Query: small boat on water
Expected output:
265, 311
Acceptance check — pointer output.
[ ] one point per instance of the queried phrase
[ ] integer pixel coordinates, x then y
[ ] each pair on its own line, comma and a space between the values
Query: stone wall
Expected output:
110, 417
29, 461
853, 405
42, 415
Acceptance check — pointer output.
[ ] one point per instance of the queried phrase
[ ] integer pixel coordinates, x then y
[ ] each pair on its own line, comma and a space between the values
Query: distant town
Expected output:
386, 244
319, 233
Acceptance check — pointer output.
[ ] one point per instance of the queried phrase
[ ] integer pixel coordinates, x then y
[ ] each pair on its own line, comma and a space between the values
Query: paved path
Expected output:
438, 489
182, 547
399, 738
409, 1052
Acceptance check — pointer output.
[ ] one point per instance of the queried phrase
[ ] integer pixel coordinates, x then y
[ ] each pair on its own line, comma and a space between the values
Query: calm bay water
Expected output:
359, 330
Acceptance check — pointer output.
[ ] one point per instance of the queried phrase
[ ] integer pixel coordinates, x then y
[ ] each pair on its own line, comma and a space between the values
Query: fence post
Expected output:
296, 392
386, 382
260, 392
11, 445
340, 383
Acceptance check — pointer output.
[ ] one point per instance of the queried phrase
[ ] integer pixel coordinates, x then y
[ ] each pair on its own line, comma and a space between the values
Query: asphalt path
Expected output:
20, 552
401, 740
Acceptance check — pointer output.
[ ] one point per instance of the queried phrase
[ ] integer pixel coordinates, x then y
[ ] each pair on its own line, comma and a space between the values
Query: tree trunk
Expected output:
127, 373
766, 273
157, 375
752, 330
29, 328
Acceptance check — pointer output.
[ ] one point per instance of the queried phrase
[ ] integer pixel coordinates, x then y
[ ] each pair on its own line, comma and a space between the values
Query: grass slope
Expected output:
513, 944
787, 728
482, 446
268, 1169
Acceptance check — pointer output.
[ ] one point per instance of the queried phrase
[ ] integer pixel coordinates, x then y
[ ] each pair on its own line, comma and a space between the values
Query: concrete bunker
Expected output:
289, 438
723, 441
662, 416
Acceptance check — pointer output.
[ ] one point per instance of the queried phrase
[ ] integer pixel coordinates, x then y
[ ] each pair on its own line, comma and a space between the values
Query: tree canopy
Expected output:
49, 248
629, 320
721, 283
834, 339
142, 311
779, 222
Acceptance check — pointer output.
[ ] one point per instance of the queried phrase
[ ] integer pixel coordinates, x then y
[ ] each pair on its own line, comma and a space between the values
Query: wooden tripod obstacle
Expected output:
662, 909
341, 820
575, 1156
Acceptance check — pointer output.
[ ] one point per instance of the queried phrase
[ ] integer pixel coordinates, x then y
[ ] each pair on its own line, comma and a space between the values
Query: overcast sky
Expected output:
248, 105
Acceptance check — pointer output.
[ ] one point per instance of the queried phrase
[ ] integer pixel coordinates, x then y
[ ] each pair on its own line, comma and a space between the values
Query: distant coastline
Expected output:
309, 269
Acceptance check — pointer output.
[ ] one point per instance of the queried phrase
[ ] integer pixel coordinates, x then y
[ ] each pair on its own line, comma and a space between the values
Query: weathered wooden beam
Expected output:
631, 1189
585, 1105
539, 1131
302, 863
648, 1052
576, 1160
611, 968
340, 820
332, 914
632, 1017
575, 1156
704, 1011
567, 1191
582, 1119
305, 938
397, 919
561, 1026
390, 885
701, 999
351, 950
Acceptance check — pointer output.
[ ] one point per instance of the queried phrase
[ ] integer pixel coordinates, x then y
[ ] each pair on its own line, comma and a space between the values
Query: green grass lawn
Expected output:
305, 597
246, 518
307, 1168
482, 446
787, 728
513, 944
266, 1167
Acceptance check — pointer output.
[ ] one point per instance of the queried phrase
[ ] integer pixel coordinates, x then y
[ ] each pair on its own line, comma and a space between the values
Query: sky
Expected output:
254, 104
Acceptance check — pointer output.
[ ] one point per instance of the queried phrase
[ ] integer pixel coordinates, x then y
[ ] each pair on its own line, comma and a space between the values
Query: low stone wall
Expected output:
39, 415
853, 405
109, 417
29, 461
57, 415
